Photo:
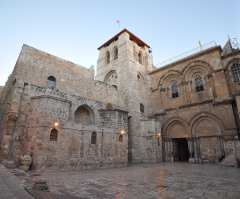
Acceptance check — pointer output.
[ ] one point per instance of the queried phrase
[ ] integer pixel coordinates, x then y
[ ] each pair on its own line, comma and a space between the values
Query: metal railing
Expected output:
186, 54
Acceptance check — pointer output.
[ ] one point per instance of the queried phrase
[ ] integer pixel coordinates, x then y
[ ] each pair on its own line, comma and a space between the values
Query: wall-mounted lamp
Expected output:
56, 124
159, 134
122, 132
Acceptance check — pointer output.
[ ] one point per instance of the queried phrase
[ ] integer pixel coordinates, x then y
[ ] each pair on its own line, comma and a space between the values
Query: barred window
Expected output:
120, 138
94, 138
51, 82
141, 107
53, 135
115, 53
236, 72
108, 57
174, 89
198, 83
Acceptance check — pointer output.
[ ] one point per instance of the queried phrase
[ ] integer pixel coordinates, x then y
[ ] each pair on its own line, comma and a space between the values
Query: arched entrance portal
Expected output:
176, 144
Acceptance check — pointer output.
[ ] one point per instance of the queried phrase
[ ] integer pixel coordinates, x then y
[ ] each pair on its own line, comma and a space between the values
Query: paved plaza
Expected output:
143, 181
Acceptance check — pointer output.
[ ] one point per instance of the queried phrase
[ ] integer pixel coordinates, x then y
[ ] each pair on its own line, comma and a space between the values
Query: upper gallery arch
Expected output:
194, 67
169, 76
231, 63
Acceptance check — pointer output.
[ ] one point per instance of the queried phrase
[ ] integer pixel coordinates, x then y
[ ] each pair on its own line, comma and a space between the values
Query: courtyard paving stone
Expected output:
9, 188
153, 181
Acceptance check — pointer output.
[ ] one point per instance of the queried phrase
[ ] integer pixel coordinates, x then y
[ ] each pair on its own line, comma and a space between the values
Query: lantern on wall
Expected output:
55, 125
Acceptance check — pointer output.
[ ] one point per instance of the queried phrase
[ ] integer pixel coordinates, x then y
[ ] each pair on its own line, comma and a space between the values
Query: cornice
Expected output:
201, 53
230, 54
228, 101
196, 104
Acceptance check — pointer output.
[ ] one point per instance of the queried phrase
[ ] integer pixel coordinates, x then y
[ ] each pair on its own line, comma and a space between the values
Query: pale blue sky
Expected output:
73, 30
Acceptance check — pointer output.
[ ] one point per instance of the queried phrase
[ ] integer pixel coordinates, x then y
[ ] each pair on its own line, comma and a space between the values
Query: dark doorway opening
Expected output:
180, 149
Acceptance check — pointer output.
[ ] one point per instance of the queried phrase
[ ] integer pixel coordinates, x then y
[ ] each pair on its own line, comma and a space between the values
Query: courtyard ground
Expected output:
143, 181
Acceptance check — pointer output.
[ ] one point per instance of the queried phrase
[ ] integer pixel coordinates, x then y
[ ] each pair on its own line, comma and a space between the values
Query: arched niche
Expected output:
84, 115
204, 127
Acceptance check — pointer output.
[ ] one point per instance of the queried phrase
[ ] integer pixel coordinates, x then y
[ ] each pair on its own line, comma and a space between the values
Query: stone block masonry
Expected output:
67, 119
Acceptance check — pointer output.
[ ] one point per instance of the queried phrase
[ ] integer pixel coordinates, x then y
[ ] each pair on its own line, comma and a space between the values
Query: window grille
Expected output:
198, 83
236, 72
142, 108
115, 53
120, 138
53, 135
51, 82
94, 138
174, 89
108, 57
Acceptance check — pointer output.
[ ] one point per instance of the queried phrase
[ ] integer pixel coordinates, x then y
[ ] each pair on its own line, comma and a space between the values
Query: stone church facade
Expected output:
66, 118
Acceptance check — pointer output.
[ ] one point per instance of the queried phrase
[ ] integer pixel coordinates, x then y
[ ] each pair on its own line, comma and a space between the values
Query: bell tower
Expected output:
124, 62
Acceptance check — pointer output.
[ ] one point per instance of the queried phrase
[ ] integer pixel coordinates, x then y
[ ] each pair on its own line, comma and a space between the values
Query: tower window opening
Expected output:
115, 53
108, 57
94, 138
141, 107
51, 82
140, 58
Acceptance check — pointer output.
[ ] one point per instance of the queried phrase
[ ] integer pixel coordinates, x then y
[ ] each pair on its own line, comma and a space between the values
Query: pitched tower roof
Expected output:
132, 37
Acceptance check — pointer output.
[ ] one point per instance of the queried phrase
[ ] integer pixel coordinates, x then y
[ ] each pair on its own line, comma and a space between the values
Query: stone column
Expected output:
238, 104
191, 150
195, 149
168, 150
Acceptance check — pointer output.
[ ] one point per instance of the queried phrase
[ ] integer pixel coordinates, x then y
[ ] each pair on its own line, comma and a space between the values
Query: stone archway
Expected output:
176, 147
208, 141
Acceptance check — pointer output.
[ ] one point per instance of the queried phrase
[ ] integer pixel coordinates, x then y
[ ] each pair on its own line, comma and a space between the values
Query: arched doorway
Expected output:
176, 144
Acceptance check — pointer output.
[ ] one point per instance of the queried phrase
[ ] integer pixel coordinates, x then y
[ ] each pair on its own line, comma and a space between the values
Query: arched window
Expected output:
236, 72
115, 53
141, 107
174, 89
140, 58
94, 138
108, 57
135, 54
120, 138
198, 83
53, 135
51, 82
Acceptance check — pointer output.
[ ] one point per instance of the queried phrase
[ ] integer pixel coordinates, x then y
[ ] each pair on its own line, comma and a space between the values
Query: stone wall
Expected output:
40, 108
